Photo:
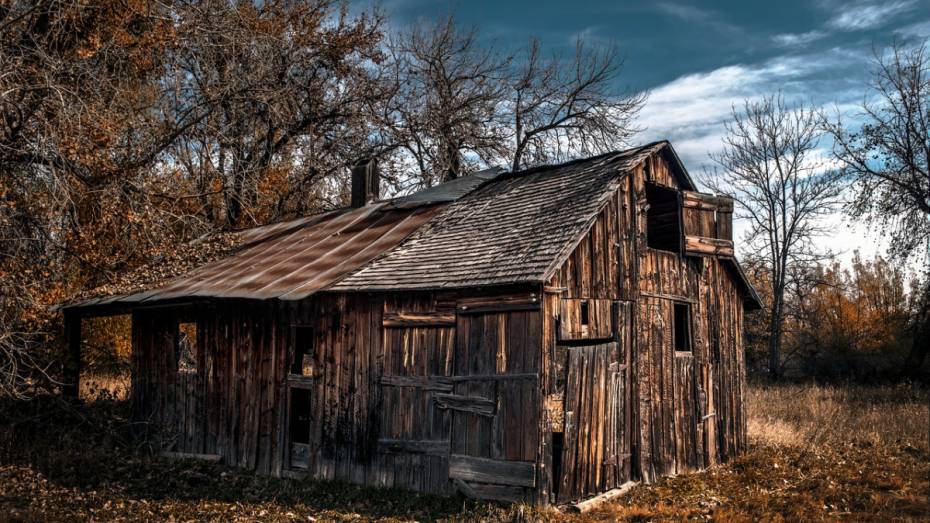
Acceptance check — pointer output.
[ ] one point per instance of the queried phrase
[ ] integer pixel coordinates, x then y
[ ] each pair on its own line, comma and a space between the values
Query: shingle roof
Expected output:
511, 230
488, 228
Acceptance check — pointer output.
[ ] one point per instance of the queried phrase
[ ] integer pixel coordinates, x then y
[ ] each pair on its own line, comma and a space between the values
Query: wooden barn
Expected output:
539, 336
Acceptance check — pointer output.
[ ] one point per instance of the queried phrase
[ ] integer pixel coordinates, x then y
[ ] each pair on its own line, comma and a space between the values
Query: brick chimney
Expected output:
366, 182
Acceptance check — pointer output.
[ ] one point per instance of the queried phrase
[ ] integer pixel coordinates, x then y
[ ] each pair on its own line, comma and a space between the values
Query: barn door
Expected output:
414, 434
493, 402
598, 405
595, 456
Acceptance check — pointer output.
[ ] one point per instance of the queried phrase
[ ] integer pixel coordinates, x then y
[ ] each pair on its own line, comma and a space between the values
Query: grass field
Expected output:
817, 453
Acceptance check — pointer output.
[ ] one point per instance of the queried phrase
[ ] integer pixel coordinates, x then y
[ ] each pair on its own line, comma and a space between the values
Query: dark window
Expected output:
682, 327
303, 351
584, 313
187, 347
300, 416
663, 228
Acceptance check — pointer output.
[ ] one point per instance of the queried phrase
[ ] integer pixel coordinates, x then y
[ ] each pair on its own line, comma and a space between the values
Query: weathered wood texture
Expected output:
685, 409
391, 378
536, 392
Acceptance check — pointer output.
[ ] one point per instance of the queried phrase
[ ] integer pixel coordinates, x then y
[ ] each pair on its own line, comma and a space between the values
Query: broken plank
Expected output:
473, 404
484, 470
429, 447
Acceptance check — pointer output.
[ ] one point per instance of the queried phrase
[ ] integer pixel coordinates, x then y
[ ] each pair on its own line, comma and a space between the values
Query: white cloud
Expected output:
798, 39
917, 30
691, 111
867, 15
693, 14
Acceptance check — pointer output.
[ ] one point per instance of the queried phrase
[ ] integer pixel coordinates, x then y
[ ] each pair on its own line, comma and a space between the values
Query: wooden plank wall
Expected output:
687, 412
407, 390
232, 405
413, 445
498, 359
463, 391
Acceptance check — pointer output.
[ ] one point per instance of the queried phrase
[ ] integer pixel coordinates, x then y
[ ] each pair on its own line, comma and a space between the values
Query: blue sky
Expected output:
697, 59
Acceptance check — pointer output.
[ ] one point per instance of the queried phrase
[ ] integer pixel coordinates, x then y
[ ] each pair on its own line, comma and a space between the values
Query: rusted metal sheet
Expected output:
291, 261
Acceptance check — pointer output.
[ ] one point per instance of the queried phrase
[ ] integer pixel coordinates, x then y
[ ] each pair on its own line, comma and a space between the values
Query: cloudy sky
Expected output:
697, 59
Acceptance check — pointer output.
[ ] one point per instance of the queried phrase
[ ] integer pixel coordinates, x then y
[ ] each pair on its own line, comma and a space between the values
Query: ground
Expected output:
817, 453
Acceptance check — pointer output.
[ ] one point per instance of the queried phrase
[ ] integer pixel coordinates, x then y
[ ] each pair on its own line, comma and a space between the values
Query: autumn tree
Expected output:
851, 320
127, 127
287, 88
888, 161
769, 165
74, 134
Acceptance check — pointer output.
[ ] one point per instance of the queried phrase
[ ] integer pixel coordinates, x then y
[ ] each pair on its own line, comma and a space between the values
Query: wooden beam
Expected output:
418, 319
495, 377
673, 297
484, 470
439, 447
592, 503
473, 404
702, 246
72, 365
435, 383
510, 302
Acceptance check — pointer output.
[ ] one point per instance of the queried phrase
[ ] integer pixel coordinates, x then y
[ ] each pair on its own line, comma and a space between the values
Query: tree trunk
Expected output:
775, 334
920, 345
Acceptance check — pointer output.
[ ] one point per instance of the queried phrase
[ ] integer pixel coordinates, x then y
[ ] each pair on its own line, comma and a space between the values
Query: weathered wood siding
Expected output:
534, 393
685, 410
427, 391
232, 405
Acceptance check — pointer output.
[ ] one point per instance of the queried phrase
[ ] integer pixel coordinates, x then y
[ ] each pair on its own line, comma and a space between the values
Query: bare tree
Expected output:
458, 104
561, 108
888, 161
445, 109
769, 165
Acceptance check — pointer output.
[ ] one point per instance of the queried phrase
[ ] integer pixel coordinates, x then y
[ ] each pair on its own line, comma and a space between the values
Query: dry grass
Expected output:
805, 415
817, 454
108, 386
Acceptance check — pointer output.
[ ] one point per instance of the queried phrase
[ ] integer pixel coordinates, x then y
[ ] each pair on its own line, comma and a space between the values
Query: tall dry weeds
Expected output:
809, 414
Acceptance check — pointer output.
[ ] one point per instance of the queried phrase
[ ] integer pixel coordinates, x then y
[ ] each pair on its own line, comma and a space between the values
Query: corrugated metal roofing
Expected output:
292, 260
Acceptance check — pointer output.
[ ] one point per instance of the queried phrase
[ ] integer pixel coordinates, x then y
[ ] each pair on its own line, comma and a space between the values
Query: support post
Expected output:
71, 376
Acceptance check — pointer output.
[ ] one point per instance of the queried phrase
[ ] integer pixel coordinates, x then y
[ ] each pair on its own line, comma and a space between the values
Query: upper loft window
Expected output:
663, 223
682, 327
303, 351
187, 348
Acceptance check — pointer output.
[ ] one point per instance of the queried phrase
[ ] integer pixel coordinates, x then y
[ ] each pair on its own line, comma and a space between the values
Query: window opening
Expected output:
303, 351
682, 327
663, 227
187, 347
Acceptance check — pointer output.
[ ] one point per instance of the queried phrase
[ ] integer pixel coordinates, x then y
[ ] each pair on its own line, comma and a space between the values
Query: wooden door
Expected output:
594, 453
493, 404
413, 444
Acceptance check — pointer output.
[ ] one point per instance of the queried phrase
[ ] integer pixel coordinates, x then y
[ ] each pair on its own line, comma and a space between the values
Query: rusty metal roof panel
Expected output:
295, 259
